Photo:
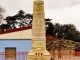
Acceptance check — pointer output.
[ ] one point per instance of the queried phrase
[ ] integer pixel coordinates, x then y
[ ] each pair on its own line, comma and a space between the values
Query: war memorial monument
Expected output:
38, 50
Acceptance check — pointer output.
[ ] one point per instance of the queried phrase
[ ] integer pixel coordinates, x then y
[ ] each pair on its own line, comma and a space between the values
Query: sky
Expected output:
61, 11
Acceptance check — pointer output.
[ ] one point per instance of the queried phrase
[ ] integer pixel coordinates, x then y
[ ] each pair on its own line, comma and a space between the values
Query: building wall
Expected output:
21, 45
24, 34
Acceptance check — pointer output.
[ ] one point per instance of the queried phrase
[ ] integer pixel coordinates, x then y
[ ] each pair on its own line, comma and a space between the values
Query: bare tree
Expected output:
2, 10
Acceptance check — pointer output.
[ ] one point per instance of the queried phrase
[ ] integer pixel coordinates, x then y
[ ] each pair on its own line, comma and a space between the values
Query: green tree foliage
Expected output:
23, 19
19, 20
49, 26
11, 21
65, 31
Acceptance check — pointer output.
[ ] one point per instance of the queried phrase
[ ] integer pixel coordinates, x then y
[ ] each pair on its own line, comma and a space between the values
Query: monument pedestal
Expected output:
39, 55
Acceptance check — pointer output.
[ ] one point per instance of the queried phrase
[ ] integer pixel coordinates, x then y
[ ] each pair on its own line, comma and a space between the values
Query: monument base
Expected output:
39, 55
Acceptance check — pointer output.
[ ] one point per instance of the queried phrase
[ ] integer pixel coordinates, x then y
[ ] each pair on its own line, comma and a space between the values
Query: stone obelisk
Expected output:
38, 50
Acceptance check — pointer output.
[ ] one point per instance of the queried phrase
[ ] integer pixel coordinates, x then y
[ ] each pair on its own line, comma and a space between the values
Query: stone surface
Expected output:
38, 51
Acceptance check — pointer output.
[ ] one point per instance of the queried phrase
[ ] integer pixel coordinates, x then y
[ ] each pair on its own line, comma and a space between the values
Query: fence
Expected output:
65, 55
23, 56
13, 56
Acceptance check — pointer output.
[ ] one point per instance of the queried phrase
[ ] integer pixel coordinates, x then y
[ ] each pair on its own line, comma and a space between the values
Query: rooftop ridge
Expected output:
15, 30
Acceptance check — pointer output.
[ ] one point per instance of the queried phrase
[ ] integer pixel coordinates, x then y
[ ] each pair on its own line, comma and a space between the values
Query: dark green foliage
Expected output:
10, 21
4, 27
65, 31
49, 28
21, 19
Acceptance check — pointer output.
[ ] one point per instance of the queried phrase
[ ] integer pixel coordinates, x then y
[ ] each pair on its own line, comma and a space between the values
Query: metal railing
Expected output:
23, 56
13, 56
65, 55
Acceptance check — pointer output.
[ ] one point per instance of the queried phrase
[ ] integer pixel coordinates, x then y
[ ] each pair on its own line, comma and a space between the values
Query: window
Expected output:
10, 53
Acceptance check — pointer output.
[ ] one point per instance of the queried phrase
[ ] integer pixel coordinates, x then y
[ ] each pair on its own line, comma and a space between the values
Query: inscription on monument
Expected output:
38, 6
38, 46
